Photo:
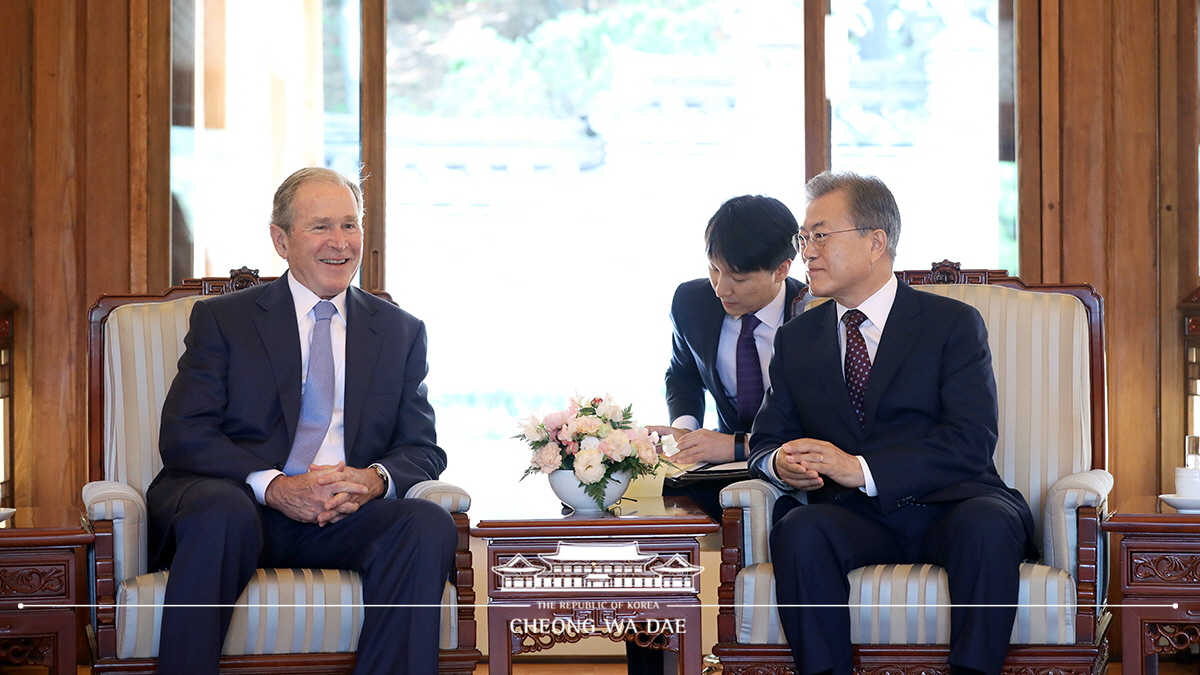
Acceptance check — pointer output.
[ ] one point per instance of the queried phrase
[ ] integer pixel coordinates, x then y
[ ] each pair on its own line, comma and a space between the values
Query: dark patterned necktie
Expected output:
858, 362
316, 404
749, 372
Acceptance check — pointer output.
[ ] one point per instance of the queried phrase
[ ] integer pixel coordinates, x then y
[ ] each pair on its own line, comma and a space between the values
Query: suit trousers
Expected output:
979, 541
402, 548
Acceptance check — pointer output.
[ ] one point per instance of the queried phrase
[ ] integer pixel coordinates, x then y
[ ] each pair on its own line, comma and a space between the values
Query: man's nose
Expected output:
337, 239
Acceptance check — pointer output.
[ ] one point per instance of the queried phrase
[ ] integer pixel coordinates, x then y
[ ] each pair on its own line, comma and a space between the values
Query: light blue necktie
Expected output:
316, 406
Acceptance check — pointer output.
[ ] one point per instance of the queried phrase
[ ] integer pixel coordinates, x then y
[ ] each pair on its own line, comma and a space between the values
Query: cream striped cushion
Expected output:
757, 499
908, 604
328, 619
1039, 344
142, 346
110, 500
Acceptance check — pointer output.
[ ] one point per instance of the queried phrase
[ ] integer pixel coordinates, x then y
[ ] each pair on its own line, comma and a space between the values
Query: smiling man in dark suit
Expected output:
882, 416
295, 426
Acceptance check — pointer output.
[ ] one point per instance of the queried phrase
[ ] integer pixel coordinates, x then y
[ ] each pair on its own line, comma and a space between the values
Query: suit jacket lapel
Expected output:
828, 357
363, 341
898, 338
280, 334
711, 318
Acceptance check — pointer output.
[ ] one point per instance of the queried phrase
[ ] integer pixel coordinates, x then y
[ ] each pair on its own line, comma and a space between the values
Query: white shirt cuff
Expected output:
767, 466
686, 422
869, 488
259, 480
391, 491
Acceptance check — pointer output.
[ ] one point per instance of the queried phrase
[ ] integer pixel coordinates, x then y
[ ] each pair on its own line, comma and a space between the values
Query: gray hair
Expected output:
872, 206
281, 207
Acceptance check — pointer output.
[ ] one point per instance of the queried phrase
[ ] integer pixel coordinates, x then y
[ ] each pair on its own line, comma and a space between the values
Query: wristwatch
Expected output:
383, 476
739, 446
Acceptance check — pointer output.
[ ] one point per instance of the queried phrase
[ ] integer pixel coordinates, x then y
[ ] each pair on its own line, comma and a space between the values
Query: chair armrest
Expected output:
757, 499
1060, 536
126, 508
450, 497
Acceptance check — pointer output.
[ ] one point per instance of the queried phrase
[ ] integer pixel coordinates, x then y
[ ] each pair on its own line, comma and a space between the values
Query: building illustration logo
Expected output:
617, 566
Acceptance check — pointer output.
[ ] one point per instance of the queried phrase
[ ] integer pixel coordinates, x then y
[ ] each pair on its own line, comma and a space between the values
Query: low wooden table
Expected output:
42, 562
1160, 578
631, 574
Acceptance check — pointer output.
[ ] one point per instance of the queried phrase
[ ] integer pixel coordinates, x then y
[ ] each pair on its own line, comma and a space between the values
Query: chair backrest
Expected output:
134, 345
1048, 356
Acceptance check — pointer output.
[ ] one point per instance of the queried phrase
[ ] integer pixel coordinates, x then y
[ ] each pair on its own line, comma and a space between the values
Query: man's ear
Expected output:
879, 242
280, 239
781, 272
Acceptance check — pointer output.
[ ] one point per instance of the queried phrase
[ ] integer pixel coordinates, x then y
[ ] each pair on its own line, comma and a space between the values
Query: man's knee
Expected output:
423, 522
218, 504
987, 525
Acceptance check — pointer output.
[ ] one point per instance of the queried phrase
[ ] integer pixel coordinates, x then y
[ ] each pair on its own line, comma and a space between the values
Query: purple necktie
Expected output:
316, 404
749, 373
858, 362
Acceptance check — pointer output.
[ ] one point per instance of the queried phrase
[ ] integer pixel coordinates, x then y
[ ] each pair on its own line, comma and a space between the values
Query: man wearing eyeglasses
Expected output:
882, 418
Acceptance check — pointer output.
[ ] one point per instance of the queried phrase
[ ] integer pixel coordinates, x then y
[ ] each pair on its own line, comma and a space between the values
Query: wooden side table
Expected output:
1160, 578
42, 562
629, 575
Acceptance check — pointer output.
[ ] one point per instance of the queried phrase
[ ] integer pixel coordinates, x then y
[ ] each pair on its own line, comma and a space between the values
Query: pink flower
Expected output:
554, 421
572, 448
616, 447
587, 424
646, 452
547, 458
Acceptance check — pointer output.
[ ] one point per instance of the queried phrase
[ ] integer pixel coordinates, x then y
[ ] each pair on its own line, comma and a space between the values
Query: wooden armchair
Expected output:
1047, 347
134, 343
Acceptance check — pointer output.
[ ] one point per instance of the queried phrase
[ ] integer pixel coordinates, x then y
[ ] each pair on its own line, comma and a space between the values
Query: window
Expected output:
921, 95
550, 167
550, 176
259, 90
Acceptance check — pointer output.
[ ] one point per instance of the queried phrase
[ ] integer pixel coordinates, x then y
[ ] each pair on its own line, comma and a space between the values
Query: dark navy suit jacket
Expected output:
930, 402
697, 315
235, 403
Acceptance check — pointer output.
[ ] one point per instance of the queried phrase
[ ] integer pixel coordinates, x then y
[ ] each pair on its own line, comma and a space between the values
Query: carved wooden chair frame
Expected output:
102, 632
1089, 653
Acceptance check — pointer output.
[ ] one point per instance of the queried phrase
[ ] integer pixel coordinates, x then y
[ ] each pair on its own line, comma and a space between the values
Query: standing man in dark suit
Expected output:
882, 415
295, 426
724, 328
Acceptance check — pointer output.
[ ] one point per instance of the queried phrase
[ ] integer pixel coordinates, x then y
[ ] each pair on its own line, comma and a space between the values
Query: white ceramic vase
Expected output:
568, 489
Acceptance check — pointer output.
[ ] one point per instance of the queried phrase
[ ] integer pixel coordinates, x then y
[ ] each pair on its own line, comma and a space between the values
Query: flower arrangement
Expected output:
595, 438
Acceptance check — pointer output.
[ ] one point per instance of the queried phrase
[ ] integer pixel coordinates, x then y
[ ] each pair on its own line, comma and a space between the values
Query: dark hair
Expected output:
751, 233
872, 206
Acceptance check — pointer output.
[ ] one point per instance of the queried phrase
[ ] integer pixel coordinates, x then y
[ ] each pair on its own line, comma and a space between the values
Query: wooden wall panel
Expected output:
67, 131
47, 469
16, 201
1132, 249
1085, 88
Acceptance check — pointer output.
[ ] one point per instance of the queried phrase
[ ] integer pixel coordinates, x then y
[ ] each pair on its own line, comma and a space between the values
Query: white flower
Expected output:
668, 445
610, 410
589, 466
531, 428
589, 443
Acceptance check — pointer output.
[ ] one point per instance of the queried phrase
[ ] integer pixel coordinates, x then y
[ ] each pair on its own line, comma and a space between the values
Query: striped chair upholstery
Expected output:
282, 611
1040, 354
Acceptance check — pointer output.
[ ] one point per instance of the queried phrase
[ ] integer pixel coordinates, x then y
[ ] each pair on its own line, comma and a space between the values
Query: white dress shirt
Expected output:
876, 308
772, 318
333, 448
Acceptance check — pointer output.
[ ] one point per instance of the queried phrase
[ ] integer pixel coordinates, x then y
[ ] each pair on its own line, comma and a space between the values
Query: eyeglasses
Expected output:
816, 239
